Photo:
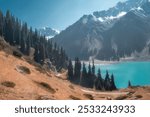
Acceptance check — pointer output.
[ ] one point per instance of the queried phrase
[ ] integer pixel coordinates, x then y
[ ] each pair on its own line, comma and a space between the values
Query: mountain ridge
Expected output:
92, 37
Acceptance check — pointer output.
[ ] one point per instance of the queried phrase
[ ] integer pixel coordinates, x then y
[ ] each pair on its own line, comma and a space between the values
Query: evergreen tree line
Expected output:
79, 74
18, 34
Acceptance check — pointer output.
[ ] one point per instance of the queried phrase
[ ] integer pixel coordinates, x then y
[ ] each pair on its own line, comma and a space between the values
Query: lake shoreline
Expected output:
99, 62
127, 59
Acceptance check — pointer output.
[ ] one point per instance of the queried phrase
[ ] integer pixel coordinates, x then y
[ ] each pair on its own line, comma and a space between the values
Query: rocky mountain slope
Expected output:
22, 79
121, 31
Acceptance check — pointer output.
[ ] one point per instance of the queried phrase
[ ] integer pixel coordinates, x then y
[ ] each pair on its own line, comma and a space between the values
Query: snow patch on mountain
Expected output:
85, 20
57, 31
101, 19
139, 8
121, 14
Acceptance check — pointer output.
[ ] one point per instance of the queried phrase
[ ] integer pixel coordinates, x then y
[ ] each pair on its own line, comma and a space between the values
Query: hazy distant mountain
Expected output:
123, 30
48, 32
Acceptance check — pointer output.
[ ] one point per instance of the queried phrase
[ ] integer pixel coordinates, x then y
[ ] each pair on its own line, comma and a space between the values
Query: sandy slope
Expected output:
29, 86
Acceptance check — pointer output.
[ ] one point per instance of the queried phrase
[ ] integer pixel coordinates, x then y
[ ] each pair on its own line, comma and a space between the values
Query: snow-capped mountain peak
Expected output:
116, 12
48, 32
120, 7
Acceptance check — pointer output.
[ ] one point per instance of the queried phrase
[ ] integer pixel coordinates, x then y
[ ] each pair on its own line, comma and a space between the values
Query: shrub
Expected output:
17, 54
121, 97
89, 96
8, 84
138, 96
47, 87
74, 98
44, 98
24, 69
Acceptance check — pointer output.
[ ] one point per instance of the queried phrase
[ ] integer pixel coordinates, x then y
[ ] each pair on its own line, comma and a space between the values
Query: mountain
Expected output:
121, 31
48, 32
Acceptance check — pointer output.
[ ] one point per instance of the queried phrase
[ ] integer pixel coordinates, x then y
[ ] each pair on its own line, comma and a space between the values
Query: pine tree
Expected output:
89, 70
77, 71
23, 40
99, 74
1, 24
93, 68
42, 54
129, 84
84, 71
98, 82
28, 44
18, 32
91, 77
8, 25
113, 86
70, 71
50, 49
31, 37
101, 86
35, 38
13, 23
36, 54
84, 79
107, 81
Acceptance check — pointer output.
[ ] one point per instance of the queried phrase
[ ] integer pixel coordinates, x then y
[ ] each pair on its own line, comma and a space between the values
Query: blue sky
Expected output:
57, 14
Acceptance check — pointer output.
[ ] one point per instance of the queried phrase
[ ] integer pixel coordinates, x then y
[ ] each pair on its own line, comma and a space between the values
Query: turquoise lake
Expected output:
137, 72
